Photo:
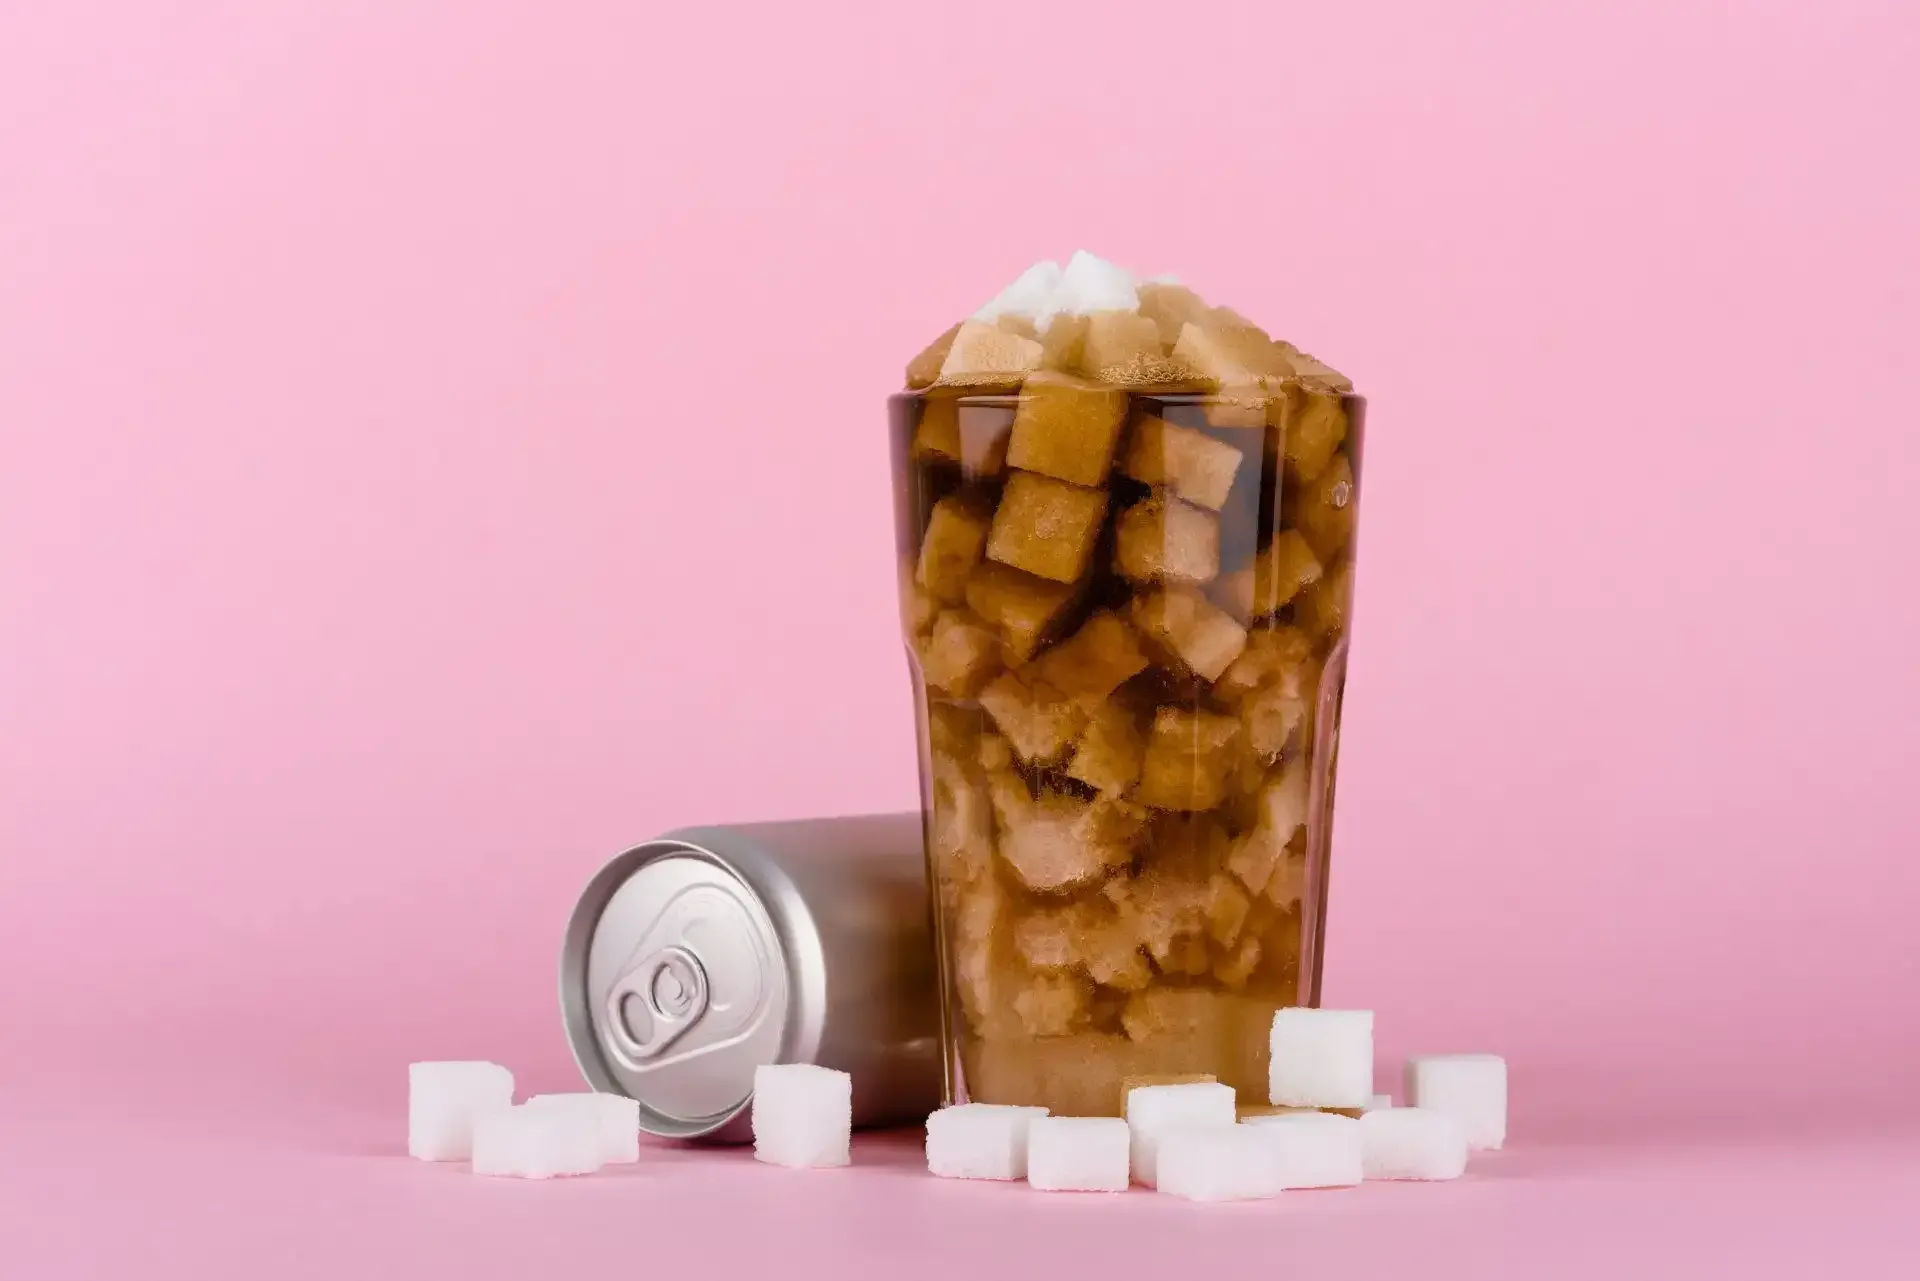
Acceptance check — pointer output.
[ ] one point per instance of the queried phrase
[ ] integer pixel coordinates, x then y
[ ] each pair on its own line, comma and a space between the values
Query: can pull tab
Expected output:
655, 1003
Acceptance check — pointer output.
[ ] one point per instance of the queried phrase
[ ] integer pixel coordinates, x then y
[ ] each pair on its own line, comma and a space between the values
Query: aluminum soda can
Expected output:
693, 959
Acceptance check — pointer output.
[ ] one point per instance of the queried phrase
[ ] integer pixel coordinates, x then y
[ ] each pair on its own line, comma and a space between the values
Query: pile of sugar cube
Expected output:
1192, 1139
464, 1111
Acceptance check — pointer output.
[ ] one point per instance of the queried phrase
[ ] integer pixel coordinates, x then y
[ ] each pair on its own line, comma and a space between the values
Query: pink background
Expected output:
441, 444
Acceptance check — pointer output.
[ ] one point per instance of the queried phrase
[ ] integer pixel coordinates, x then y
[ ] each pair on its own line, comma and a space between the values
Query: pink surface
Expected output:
442, 443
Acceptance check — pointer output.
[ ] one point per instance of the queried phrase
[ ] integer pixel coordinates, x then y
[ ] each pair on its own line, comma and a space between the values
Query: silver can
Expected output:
695, 958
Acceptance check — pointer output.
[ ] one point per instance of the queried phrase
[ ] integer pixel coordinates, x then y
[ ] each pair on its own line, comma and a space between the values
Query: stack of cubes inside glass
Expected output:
1126, 525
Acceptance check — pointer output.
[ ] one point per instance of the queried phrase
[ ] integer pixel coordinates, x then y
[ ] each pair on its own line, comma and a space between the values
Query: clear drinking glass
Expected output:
1126, 619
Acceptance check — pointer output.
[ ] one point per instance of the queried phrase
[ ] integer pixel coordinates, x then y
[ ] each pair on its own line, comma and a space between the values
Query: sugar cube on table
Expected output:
1471, 1088
1321, 1058
980, 1141
1078, 1154
1153, 1111
1378, 1102
445, 1099
802, 1116
1412, 1143
1207, 1163
617, 1117
539, 1142
1314, 1149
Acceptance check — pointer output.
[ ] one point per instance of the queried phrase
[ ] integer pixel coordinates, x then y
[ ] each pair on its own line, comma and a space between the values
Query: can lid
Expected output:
674, 985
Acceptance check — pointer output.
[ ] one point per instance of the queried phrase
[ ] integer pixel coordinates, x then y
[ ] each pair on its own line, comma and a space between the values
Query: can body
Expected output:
1128, 686
692, 959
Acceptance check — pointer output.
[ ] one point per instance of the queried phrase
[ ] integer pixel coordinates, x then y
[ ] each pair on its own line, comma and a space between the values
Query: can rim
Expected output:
770, 889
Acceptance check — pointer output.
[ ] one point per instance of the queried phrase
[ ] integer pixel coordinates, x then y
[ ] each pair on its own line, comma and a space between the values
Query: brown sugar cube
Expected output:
1312, 424
1272, 717
1047, 938
1162, 539
987, 355
1314, 371
1110, 950
1282, 815
960, 655
1191, 463
961, 826
1067, 427
1170, 307
1193, 1015
1096, 660
951, 548
924, 370
1188, 759
1289, 881
1046, 527
1226, 354
1324, 509
1272, 654
1019, 326
996, 754
979, 973
1124, 349
1274, 578
1019, 606
1190, 628
974, 436
1058, 842
1324, 607
1039, 721
918, 608
1052, 1004
1110, 750
1235, 968
953, 731
1227, 905
1064, 343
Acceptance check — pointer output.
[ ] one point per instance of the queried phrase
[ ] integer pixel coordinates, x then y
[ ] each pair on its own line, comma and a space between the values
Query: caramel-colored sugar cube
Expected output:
1058, 842
1096, 660
1272, 654
961, 654
1191, 1015
1227, 906
1046, 527
1039, 721
1226, 355
1289, 881
1323, 607
1312, 424
918, 608
1110, 951
1110, 750
1064, 343
1052, 1004
1313, 371
924, 370
1067, 427
955, 538
1272, 716
1282, 815
1191, 463
1234, 968
1019, 606
953, 731
1170, 307
1274, 578
961, 826
1124, 349
1191, 628
977, 923
1163, 539
1047, 938
996, 754
987, 355
1188, 759
974, 436
1324, 509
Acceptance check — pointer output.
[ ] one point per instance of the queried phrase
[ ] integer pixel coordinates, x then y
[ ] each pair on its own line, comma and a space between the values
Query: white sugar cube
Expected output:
1027, 297
1078, 1154
1377, 1102
1091, 284
530, 1142
1471, 1088
1153, 1110
444, 1100
1412, 1143
1209, 1163
1314, 1149
980, 1141
617, 1116
802, 1116
1321, 1058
